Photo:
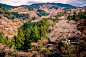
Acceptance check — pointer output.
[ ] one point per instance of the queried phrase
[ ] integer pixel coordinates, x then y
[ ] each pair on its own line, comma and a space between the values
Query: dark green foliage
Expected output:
24, 16
20, 39
6, 6
33, 18
74, 15
6, 13
80, 14
32, 33
27, 39
39, 10
55, 7
63, 5
70, 17
31, 7
42, 13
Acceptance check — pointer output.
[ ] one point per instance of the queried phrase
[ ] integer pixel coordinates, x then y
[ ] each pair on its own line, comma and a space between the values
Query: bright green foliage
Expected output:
80, 14
42, 32
5, 15
44, 28
35, 34
5, 41
69, 17
20, 39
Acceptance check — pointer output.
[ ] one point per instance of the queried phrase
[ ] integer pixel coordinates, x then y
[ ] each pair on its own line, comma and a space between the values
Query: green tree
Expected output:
35, 33
74, 15
69, 17
42, 31
1, 39
80, 14
27, 38
20, 39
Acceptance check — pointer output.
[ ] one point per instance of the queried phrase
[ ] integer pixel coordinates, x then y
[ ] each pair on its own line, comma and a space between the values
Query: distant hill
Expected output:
63, 5
6, 6
84, 6
30, 7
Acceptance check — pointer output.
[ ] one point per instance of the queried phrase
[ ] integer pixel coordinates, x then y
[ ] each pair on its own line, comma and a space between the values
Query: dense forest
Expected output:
7, 6
41, 13
30, 32
31, 7
6, 13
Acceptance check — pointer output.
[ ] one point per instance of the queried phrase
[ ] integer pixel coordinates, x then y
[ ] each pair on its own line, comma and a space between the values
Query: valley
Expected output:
38, 30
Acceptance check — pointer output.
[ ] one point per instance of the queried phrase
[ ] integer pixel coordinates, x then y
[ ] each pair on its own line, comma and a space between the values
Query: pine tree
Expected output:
35, 33
42, 31
27, 38
69, 17
20, 39
80, 14
74, 15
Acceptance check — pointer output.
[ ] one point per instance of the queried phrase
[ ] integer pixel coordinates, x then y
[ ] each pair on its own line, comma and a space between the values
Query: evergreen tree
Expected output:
42, 31
74, 15
35, 33
20, 39
69, 17
80, 14
44, 28
27, 38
